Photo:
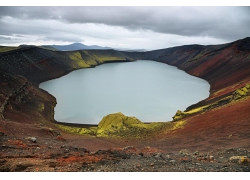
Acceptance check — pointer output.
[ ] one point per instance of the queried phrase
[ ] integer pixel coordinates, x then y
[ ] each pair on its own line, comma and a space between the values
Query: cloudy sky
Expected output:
123, 27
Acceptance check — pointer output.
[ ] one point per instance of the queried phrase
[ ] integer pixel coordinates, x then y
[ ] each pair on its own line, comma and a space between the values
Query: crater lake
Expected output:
151, 91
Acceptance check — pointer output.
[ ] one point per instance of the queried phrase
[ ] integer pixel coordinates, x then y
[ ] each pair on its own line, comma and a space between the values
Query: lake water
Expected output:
148, 90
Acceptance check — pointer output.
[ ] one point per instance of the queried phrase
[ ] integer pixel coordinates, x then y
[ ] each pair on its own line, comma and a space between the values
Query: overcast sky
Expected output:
123, 27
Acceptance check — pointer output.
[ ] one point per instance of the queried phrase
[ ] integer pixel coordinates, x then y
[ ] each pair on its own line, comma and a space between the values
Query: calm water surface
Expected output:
151, 91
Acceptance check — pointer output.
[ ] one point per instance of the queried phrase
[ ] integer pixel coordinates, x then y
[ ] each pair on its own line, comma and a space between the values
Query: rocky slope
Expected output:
39, 64
221, 121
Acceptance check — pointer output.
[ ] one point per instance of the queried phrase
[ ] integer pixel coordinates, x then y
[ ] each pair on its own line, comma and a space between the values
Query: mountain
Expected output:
76, 46
220, 65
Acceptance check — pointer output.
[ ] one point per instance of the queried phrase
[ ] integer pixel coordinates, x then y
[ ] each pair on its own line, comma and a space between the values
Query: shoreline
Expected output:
120, 61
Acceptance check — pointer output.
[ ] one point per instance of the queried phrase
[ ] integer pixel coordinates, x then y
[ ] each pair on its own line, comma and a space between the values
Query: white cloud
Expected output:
47, 31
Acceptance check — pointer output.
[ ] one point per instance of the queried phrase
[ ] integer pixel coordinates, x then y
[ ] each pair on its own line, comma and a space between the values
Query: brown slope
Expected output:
229, 63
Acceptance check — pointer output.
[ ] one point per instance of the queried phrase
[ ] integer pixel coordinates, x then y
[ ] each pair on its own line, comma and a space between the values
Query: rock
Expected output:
66, 150
2, 134
244, 160
166, 156
158, 155
196, 153
185, 160
120, 154
32, 139
128, 148
172, 161
2, 161
60, 138
211, 158
84, 150
138, 165
184, 152
100, 152
141, 154
52, 164
239, 159
21, 166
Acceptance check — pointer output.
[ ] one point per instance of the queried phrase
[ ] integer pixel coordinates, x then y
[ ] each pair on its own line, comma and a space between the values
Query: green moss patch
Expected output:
90, 58
236, 95
242, 92
118, 124
78, 62
78, 130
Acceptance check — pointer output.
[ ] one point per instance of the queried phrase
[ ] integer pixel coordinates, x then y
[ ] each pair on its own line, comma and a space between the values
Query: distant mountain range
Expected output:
80, 46
74, 46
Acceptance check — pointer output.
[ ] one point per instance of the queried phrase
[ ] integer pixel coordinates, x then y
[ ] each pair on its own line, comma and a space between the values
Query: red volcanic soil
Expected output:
218, 60
205, 143
223, 127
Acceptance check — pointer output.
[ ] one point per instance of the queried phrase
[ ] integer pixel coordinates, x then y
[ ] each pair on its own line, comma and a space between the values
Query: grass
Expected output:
7, 48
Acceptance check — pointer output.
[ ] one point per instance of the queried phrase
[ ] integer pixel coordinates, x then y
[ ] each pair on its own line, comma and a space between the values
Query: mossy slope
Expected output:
236, 95
119, 125
90, 58
78, 130
7, 48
